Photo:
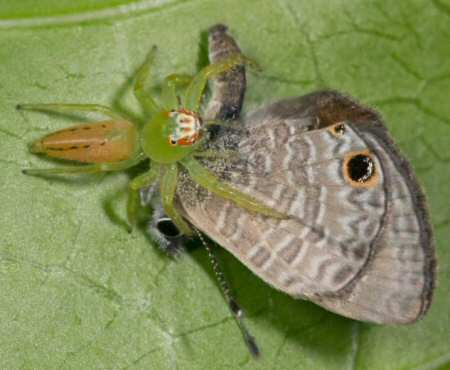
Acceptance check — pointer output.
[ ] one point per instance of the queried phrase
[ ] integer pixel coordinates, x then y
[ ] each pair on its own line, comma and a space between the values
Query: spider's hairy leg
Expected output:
141, 82
194, 92
139, 182
85, 169
212, 183
168, 187
67, 108
173, 82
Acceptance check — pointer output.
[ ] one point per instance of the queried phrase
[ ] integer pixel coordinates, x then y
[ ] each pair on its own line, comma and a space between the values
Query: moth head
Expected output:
167, 228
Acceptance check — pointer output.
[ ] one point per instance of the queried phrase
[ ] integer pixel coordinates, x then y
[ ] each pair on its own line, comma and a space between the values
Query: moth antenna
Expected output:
234, 307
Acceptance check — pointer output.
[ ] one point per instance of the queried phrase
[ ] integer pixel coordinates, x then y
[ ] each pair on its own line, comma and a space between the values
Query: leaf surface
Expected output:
78, 292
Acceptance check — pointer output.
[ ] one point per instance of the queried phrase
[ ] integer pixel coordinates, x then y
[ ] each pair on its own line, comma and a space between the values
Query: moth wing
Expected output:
397, 282
326, 239
342, 245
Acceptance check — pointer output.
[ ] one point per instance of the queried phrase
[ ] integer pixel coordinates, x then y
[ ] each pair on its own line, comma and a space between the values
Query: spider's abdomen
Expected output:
100, 142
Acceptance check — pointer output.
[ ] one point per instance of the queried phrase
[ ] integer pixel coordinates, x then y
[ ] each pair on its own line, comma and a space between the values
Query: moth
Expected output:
310, 193
357, 240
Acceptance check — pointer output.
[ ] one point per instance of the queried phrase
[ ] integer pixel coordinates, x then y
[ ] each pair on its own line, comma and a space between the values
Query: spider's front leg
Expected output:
142, 181
67, 108
169, 89
194, 92
83, 169
168, 187
142, 79
212, 183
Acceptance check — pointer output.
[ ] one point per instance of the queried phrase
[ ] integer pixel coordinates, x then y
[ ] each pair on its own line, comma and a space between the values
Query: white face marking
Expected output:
187, 128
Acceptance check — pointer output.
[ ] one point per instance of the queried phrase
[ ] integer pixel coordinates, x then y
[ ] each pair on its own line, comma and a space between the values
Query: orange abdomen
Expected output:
99, 142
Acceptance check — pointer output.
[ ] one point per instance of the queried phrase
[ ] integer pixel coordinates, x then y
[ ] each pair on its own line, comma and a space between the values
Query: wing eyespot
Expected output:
360, 170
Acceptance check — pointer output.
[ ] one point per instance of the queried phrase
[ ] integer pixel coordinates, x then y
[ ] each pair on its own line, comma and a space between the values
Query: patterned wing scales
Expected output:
398, 280
345, 245
325, 241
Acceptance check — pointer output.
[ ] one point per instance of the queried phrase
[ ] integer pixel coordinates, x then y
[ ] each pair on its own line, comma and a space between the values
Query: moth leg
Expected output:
169, 97
135, 185
84, 169
210, 182
168, 187
142, 79
66, 108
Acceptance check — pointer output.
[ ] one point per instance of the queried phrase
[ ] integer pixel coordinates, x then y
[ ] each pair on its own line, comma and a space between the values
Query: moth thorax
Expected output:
187, 127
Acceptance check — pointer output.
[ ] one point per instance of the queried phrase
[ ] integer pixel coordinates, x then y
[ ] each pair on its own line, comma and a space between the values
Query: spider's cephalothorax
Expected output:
171, 139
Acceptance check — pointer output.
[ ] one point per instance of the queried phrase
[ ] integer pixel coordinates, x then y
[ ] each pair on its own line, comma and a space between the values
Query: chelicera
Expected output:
171, 138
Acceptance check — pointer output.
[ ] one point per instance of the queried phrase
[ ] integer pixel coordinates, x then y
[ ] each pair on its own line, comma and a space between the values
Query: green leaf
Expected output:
78, 292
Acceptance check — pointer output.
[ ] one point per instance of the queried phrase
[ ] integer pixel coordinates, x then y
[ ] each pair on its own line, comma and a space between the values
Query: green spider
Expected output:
172, 137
